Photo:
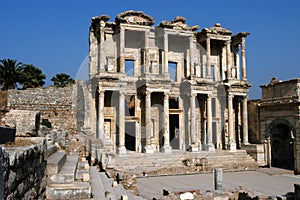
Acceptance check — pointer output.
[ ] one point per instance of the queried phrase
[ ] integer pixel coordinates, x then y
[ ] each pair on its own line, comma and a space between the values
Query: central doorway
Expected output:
130, 136
282, 147
174, 130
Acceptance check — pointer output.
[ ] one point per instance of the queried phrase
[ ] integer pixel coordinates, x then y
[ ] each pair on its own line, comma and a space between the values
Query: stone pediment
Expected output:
217, 29
178, 23
135, 17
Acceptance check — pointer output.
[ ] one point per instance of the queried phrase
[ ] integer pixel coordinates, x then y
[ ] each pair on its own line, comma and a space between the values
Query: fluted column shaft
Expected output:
232, 144
166, 148
148, 147
122, 148
122, 47
166, 50
210, 145
208, 63
228, 58
245, 120
243, 44
101, 115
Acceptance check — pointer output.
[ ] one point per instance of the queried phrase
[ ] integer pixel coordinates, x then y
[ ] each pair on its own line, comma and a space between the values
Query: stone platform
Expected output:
178, 162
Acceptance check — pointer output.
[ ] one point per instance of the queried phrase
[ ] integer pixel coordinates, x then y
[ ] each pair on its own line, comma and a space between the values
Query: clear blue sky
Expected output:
53, 35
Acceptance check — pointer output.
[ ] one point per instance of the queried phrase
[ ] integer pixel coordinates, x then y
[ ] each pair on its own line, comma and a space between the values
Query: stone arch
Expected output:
282, 135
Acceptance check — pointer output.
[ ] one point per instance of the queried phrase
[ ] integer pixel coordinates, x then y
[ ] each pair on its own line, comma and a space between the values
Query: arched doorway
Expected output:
282, 144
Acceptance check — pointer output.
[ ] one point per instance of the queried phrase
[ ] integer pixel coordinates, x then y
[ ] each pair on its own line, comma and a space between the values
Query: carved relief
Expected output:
135, 17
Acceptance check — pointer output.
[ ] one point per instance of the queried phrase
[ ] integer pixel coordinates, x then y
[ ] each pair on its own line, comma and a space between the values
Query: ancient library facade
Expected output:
166, 87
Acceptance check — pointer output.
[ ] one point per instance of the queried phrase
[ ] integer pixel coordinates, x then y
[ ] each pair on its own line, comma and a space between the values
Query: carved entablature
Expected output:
237, 39
216, 29
179, 24
99, 21
134, 17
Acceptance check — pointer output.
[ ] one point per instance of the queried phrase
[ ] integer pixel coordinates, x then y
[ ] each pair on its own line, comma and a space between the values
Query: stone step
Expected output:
75, 190
51, 149
55, 162
98, 191
109, 192
67, 172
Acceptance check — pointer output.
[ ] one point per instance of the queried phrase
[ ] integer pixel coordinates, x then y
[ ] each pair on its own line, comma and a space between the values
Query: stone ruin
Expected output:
166, 87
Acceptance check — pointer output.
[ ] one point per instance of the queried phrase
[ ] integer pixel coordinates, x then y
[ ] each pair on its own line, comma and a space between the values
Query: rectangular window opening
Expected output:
173, 70
129, 67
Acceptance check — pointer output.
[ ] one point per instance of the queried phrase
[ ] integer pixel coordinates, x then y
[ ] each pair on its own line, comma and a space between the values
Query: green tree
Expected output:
9, 73
62, 80
31, 77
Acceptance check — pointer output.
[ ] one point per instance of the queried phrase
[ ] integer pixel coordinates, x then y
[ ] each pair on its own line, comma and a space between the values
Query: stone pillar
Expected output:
245, 120
147, 61
193, 145
218, 176
148, 147
101, 115
243, 44
101, 49
122, 148
166, 50
228, 58
192, 67
231, 144
166, 148
122, 47
210, 146
208, 64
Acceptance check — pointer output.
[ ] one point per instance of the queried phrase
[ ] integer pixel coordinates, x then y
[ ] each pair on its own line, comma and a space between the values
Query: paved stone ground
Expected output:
268, 181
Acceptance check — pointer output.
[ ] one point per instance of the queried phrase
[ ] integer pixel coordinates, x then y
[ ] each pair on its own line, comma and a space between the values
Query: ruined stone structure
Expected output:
165, 87
275, 121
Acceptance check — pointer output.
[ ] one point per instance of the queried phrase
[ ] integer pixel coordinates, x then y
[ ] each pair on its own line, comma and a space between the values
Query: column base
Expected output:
122, 150
232, 146
148, 149
210, 147
193, 148
166, 149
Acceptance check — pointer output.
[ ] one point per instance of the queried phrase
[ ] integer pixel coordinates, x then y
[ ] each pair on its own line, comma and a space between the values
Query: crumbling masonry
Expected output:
166, 87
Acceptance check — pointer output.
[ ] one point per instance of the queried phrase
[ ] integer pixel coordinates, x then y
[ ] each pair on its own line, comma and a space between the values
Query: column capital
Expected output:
193, 94
166, 94
230, 95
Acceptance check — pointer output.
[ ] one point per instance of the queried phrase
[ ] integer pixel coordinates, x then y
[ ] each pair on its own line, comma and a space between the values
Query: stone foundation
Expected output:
22, 169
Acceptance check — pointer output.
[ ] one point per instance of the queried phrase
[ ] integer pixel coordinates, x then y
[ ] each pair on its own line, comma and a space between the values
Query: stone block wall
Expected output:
23, 170
57, 105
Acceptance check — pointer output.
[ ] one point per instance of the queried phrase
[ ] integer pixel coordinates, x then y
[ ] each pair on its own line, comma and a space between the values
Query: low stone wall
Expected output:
57, 105
23, 169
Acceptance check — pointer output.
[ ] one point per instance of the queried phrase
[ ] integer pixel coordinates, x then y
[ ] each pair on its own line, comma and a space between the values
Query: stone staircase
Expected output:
140, 164
71, 178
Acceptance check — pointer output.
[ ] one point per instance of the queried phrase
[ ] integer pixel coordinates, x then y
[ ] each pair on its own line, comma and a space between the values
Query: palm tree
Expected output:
31, 77
62, 80
9, 73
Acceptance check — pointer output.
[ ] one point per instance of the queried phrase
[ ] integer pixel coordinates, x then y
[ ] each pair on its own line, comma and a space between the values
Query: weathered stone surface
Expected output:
26, 122
24, 175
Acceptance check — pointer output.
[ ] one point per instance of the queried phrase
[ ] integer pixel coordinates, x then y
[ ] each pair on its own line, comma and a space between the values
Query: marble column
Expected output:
166, 148
148, 148
208, 63
101, 115
245, 120
122, 47
122, 148
210, 146
101, 48
192, 67
193, 145
228, 58
243, 44
166, 57
231, 136
147, 59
